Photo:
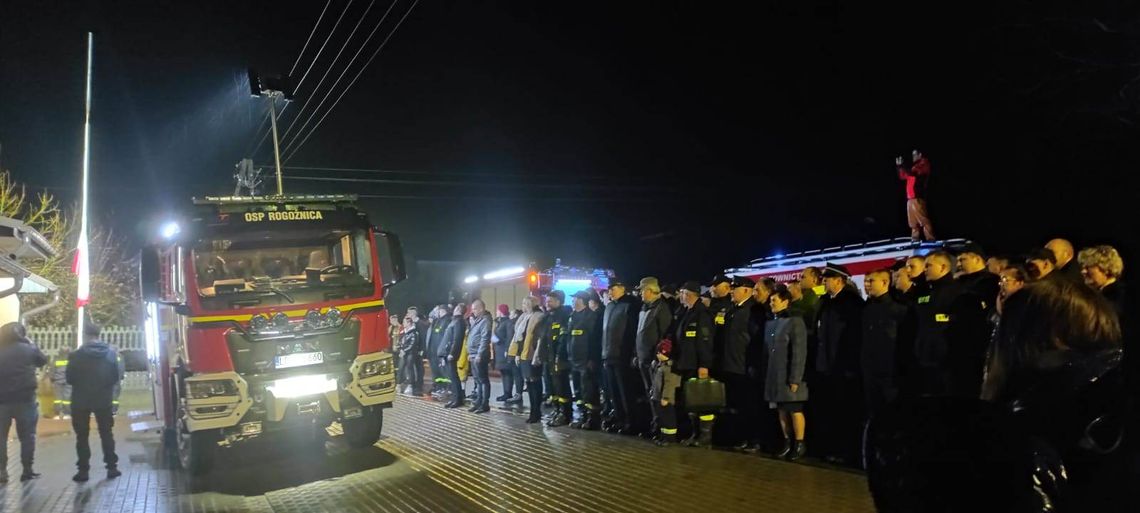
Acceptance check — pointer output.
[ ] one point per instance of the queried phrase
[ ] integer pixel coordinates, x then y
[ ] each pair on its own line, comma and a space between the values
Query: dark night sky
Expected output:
675, 138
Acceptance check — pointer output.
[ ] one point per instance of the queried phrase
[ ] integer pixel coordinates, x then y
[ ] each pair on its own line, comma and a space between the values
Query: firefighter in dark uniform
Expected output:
883, 327
693, 355
584, 349
553, 354
933, 318
740, 329
619, 331
836, 394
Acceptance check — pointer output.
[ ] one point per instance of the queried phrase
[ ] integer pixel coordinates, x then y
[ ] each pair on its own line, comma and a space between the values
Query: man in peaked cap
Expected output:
836, 393
652, 326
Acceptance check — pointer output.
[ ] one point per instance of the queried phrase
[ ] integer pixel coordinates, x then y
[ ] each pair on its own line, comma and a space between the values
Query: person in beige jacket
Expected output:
523, 349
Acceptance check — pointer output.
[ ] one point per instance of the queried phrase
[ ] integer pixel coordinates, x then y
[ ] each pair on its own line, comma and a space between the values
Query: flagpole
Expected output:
83, 287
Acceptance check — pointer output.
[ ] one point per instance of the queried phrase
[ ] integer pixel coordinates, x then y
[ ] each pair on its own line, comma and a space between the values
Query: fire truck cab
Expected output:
266, 314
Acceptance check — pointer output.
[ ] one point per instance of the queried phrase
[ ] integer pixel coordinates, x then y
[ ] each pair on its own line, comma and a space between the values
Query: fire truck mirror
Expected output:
150, 274
391, 253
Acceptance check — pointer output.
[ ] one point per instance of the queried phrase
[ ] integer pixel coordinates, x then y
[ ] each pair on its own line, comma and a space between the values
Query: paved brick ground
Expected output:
433, 459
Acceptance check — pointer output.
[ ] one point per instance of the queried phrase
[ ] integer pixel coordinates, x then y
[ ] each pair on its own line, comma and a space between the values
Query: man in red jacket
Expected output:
915, 178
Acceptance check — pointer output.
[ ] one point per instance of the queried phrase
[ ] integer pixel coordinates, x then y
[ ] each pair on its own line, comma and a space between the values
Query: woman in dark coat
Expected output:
785, 341
504, 333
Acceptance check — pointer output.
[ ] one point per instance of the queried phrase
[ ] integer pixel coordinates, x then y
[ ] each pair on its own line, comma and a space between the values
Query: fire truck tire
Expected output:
196, 451
365, 431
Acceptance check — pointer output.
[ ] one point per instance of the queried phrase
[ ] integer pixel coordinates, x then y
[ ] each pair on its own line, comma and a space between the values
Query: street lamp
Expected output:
272, 87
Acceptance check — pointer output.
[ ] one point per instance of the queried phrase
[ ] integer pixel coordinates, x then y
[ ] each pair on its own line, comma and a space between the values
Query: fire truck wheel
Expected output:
196, 451
365, 431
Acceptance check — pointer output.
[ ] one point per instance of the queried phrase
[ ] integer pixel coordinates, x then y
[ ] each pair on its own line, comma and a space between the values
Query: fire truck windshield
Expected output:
279, 267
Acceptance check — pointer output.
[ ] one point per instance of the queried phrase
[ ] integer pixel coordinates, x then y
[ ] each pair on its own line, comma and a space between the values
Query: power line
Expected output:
326, 74
564, 176
316, 57
354, 79
314, 31
341, 76
453, 183
543, 199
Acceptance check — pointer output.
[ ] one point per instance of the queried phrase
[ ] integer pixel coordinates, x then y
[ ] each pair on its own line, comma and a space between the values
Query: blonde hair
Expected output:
1104, 257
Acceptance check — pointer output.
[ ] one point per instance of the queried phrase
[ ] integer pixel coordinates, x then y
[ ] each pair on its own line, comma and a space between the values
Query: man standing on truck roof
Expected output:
915, 178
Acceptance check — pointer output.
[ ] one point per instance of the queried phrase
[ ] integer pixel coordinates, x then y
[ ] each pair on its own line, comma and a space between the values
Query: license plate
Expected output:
298, 360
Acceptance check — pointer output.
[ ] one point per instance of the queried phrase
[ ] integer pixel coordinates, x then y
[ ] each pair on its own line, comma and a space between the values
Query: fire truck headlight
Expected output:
376, 367
333, 317
280, 320
313, 318
259, 322
212, 388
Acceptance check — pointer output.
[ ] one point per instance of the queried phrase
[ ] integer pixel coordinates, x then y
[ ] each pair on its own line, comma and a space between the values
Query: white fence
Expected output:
52, 342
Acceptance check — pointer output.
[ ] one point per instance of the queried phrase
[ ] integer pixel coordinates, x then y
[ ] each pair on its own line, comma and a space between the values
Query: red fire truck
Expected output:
266, 314
859, 259
510, 285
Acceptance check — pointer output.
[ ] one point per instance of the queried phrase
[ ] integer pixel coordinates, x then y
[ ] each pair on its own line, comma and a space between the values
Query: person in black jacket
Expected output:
653, 325
971, 325
693, 355
619, 331
934, 316
836, 402
733, 362
719, 304
94, 372
883, 321
584, 351
552, 353
19, 359
508, 369
450, 348
411, 351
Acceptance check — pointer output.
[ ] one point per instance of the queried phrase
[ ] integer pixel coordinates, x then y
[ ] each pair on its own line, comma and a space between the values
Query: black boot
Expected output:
702, 434
81, 476
593, 420
665, 440
113, 472
787, 449
799, 450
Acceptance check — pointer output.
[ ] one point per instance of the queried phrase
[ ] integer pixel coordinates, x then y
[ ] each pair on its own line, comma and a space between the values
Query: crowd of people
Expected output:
938, 325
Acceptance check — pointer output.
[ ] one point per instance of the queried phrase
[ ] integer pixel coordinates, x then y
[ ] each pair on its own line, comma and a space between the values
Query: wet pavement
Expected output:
432, 459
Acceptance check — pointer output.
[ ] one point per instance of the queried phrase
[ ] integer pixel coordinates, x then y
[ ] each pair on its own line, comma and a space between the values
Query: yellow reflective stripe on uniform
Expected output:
923, 300
720, 318
290, 313
706, 418
941, 318
61, 401
576, 332
61, 363
690, 333
667, 431
819, 290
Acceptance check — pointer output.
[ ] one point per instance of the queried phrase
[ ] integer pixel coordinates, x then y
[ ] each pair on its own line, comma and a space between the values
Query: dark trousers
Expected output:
412, 372
533, 376
560, 379
878, 392
437, 372
646, 370
456, 385
512, 378
616, 399
480, 374
25, 415
742, 423
81, 423
586, 390
836, 416
666, 418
